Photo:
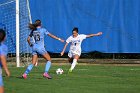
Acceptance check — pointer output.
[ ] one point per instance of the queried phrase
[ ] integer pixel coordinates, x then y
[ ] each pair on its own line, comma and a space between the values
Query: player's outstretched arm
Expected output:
4, 64
55, 37
91, 35
63, 51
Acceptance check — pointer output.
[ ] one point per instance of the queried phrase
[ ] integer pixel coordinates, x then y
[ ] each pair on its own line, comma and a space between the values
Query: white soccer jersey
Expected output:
75, 47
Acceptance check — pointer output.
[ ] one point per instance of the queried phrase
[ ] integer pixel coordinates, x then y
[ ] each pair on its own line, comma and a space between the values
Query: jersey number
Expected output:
37, 37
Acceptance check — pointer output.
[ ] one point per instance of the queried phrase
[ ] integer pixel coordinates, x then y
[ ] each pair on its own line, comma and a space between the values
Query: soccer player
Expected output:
38, 47
75, 48
3, 54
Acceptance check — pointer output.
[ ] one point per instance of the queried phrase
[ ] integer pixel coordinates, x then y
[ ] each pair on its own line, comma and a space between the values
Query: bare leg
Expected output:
76, 57
47, 57
47, 66
1, 89
34, 59
70, 60
36, 63
29, 68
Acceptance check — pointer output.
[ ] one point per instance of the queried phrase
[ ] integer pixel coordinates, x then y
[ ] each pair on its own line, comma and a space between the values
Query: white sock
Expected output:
73, 64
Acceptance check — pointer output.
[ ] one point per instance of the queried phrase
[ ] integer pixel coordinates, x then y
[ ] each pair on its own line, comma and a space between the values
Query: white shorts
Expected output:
71, 54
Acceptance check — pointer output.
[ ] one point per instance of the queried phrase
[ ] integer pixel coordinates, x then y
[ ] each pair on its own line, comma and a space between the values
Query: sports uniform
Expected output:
75, 47
3, 52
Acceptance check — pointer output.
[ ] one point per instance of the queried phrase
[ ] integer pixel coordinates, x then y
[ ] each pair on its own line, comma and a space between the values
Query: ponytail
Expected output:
32, 26
35, 25
2, 35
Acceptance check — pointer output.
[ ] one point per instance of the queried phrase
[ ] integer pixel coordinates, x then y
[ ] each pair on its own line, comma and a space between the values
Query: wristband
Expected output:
59, 39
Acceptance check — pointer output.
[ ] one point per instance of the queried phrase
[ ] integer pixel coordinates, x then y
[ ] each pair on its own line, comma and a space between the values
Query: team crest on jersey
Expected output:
76, 41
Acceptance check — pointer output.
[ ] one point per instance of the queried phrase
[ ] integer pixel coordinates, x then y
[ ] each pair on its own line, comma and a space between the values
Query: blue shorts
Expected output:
1, 81
40, 51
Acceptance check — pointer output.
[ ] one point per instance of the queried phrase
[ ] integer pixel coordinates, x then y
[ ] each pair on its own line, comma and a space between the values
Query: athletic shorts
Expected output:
40, 51
71, 54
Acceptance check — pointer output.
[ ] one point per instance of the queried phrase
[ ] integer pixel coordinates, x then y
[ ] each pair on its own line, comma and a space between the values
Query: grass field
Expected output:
85, 79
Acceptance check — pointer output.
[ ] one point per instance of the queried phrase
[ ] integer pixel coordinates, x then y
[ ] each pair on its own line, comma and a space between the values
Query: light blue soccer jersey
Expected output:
39, 37
3, 52
38, 46
3, 49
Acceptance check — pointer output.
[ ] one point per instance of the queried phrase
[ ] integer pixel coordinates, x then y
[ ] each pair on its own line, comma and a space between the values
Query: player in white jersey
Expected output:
75, 47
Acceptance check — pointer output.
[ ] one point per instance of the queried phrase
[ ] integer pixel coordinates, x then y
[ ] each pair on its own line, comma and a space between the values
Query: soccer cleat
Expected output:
69, 71
24, 76
46, 75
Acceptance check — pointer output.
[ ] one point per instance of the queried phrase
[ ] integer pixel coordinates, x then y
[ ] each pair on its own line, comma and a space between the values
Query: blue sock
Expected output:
48, 65
29, 68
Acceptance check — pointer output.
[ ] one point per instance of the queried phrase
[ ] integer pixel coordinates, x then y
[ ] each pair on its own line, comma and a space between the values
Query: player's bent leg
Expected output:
29, 68
36, 64
34, 59
70, 60
47, 66
1, 89
47, 56
76, 57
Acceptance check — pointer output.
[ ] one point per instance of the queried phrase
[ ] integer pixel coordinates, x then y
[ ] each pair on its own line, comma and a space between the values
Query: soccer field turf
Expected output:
84, 79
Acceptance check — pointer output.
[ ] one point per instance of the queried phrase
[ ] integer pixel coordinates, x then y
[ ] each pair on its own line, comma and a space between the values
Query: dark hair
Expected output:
35, 25
2, 35
75, 29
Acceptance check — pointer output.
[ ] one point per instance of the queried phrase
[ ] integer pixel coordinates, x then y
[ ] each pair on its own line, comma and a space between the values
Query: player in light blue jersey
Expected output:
3, 55
38, 47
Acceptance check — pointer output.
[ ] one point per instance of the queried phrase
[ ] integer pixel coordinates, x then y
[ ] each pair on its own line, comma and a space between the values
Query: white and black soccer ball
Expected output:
59, 71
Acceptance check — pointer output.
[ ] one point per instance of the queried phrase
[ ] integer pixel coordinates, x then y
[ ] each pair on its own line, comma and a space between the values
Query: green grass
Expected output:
84, 79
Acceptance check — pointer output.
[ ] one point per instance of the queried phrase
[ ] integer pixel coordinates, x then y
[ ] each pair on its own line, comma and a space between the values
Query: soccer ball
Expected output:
59, 71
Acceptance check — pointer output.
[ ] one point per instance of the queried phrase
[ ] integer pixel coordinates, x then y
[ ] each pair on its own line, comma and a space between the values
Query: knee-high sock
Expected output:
29, 68
73, 64
48, 65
